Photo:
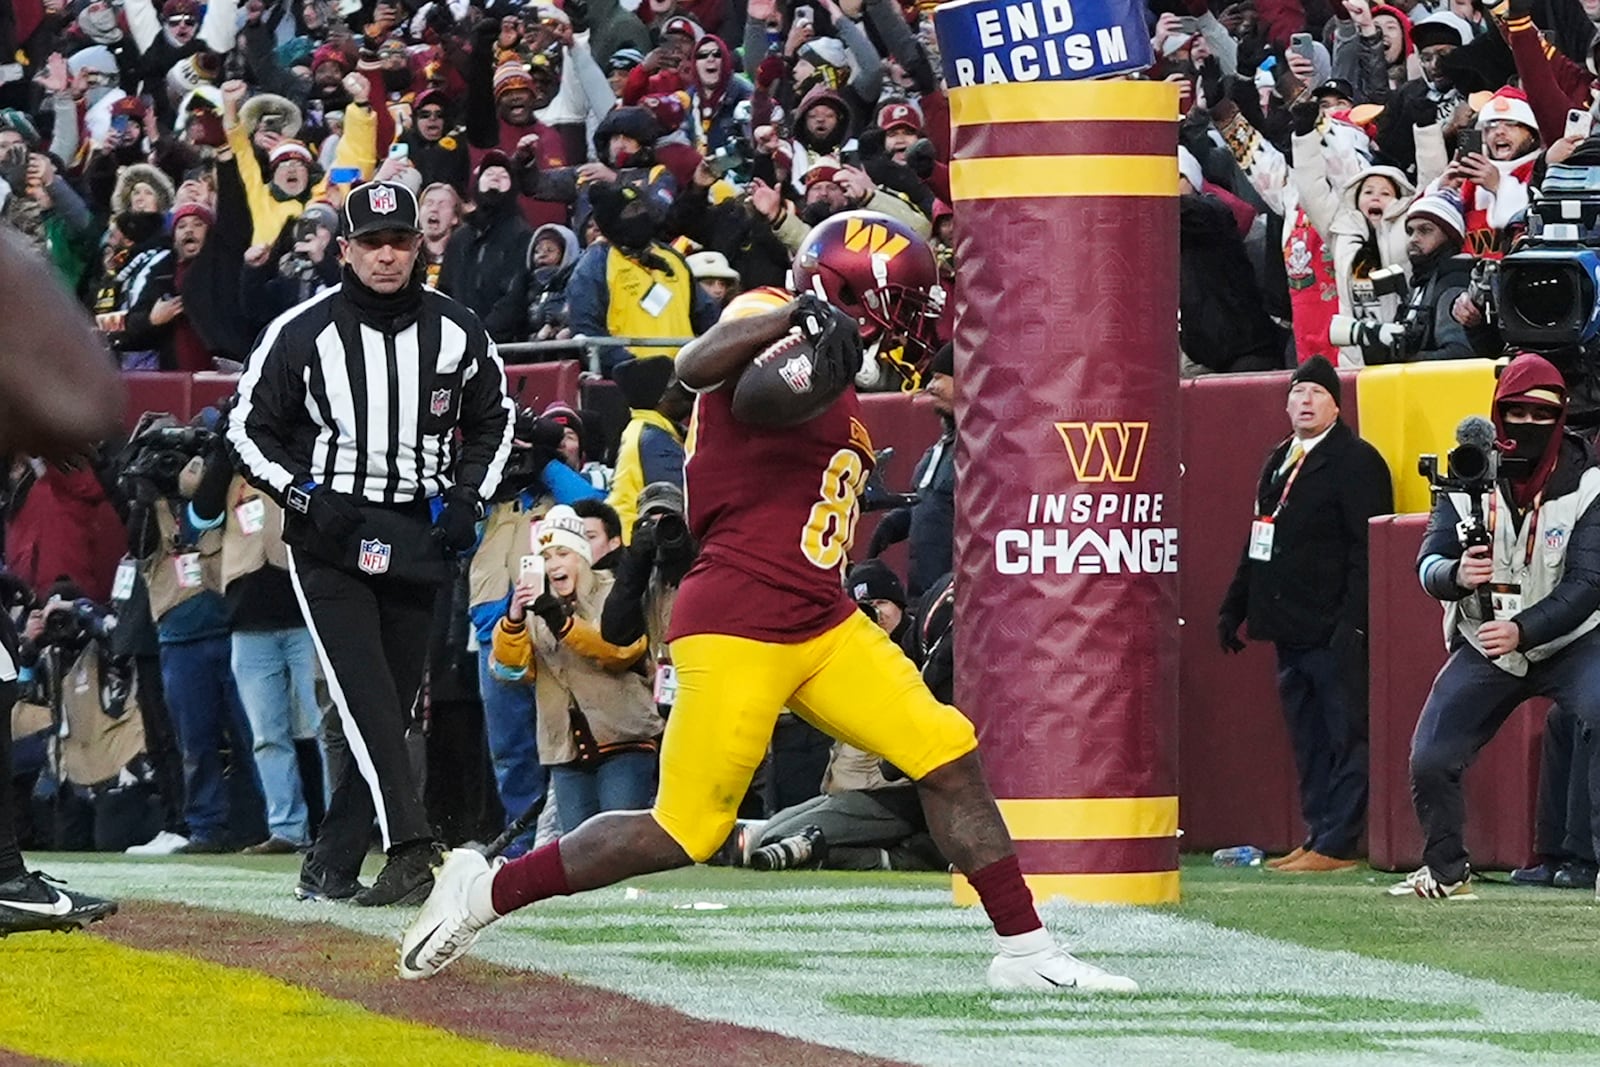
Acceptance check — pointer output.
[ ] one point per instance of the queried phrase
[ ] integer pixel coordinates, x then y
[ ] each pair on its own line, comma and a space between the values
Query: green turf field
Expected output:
1252, 968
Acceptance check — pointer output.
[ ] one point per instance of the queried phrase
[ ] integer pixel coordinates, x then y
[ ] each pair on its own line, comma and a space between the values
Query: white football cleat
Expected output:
453, 915
1423, 883
1034, 962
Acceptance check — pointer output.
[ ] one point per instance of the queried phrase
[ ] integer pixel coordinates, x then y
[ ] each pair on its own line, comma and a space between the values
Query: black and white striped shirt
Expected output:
329, 398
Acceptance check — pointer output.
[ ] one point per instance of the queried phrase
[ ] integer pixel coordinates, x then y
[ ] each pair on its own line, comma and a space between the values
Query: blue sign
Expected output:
993, 42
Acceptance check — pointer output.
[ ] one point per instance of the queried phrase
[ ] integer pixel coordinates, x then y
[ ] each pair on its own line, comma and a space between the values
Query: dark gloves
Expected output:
920, 158
456, 525
553, 610
1420, 111
1228, 633
835, 341
644, 540
578, 12
1304, 116
334, 515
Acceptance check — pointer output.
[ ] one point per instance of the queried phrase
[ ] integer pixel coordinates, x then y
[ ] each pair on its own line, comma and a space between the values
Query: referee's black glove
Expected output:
334, 515
456, 528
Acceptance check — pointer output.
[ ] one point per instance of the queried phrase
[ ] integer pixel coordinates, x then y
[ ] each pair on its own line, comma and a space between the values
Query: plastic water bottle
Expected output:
1239, 856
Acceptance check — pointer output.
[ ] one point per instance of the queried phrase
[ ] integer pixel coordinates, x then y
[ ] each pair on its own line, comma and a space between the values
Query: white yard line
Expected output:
900, 973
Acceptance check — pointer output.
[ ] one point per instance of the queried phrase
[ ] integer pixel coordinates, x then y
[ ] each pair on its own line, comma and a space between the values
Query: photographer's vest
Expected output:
507, 537
177, 572
1532, 557
645, 302
252, 533
101, 728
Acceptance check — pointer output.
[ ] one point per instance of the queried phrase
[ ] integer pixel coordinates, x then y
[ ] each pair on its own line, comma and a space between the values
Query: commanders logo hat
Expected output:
379, 206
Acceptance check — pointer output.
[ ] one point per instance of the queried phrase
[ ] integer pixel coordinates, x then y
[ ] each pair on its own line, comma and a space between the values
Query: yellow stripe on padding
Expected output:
1011, 177
1140, 887
83, 1000
1090, 818
1087, 101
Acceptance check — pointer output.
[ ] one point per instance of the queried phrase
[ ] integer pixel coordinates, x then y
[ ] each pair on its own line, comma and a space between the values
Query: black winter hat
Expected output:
944, 360
643, 380
871, 579
1319, 371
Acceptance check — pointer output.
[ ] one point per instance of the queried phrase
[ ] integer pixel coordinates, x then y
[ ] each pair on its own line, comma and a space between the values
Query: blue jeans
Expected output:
198, 678
624, 781
276, 673
510, 723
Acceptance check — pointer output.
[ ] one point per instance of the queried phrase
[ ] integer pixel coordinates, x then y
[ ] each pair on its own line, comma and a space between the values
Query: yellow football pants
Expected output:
851, 682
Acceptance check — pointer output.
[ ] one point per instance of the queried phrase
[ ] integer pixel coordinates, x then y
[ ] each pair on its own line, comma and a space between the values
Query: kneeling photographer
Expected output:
1513, 550
180, 557
1424, 327
647, 578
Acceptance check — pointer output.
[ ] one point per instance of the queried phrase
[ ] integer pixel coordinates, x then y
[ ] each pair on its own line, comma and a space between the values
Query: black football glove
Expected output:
835, 341
456, 528
553, 610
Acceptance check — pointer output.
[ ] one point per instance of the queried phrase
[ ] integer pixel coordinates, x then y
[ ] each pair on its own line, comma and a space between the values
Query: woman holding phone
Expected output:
598, 728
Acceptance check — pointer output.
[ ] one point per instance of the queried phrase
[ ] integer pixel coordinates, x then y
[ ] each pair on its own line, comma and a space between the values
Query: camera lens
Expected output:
1544, 295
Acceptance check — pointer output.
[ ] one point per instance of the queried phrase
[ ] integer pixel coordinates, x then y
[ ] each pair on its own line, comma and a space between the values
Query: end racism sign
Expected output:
993, 42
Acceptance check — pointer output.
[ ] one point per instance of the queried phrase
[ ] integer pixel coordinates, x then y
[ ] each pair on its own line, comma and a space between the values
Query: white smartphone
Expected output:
532, 569
1579, 123
803, 13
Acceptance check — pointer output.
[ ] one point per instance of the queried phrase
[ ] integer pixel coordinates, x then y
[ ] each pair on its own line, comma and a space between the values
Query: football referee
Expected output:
376, 413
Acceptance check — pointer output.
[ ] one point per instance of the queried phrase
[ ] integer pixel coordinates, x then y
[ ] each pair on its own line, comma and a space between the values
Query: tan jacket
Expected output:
163, 567
580, 667
850, 769
244, 552
507, 537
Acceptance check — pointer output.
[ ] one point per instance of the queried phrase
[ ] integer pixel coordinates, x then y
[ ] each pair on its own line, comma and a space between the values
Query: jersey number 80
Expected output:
832, 522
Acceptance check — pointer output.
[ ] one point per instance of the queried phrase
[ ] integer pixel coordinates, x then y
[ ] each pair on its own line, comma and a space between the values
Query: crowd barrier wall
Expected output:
1237, 775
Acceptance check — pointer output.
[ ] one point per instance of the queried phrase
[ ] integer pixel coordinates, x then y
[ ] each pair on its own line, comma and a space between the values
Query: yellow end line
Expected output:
1091, 818
84, 1000
1118, 101
1011, 177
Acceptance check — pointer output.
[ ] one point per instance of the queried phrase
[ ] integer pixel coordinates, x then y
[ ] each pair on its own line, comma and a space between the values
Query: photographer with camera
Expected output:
301, 264
647, 576
1425, 327
1302, 584
179, 554
598, 730
1514, 555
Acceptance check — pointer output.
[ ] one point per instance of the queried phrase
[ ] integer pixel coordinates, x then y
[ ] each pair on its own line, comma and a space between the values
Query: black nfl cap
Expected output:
378, 206
1334, 87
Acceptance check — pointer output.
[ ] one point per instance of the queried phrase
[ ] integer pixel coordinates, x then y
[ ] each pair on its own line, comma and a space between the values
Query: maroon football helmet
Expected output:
879, 272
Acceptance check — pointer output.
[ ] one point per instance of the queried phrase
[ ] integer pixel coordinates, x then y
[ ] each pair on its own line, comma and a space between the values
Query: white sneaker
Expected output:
1036, 963
163, 844
1422, 883
453, 915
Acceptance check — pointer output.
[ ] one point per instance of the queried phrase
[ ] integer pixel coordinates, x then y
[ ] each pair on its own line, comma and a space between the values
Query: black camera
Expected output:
160, 454
735, 154
82, 620
1389, 281
672, 536
1545, 293
1471, 468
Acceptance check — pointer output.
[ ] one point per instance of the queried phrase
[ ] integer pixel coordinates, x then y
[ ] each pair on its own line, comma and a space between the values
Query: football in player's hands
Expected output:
798, 376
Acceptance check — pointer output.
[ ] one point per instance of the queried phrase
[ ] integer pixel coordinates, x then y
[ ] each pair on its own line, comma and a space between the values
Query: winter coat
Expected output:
547, 286
1222, 323
1347, 230
486, 268
712, 111
1316, 580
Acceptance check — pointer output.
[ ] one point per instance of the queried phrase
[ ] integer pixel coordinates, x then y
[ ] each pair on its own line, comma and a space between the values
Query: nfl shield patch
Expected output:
439, 402
374, 557
1554, 538
382, 199
796, 373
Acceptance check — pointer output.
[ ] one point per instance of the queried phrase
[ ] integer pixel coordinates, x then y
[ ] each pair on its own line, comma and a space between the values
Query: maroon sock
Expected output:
1004, 894
536, 876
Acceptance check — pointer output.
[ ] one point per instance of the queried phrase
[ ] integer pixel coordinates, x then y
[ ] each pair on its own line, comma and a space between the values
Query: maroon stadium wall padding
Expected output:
1407, 650
909, 426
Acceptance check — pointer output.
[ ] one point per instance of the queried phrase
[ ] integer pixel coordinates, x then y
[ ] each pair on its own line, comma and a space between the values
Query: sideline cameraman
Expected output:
1521, 610
647, 578
180, 557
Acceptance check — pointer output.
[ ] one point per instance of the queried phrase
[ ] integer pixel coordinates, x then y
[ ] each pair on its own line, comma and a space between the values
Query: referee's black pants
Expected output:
371, 634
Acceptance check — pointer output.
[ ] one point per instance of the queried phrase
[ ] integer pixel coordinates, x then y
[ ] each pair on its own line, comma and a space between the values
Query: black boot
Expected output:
407, 878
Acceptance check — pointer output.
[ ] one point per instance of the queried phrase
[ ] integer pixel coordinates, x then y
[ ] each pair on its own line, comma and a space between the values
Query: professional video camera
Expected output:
1471, 468
1544, 293
534, 443
158, 452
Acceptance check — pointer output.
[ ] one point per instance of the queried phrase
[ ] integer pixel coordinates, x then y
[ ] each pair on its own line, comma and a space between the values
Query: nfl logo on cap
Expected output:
383, 200
380, 206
